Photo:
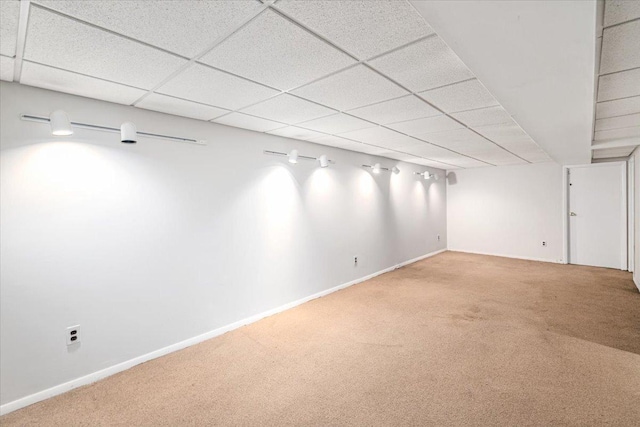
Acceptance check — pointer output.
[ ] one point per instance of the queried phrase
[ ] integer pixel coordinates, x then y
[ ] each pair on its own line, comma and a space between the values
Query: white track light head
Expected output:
324, 162
293, 156
60, 125
395, 170
427, 175
128, 133
376, 168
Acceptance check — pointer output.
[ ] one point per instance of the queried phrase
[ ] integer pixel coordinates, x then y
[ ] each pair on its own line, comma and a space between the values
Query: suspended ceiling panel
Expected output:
65, 43
336, 124
78, 84
621, 47
424, 65
203, 84
180, 107
356, 87
362, 28
464, 96
198, 25
9, 15
618, 107
613, 153
288, 109
368, 76
276, 52
617, 110
249, 122
396, 110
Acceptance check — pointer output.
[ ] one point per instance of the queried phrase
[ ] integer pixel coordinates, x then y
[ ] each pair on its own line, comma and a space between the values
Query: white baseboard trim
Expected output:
96, 376
507, 256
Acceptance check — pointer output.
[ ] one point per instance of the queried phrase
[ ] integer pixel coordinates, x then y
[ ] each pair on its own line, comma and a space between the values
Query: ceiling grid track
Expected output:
273, 7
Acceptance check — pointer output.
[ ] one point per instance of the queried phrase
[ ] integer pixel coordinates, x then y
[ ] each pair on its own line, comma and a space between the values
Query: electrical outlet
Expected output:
544, 243
355, 260
73, 335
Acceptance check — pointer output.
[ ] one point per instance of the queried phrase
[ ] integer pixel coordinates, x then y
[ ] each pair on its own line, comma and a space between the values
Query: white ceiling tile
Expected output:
203, 84
629, 120
337, 123
282, 54
426, 125
186, 28
424, 65
500, 157
455, 137
370, 149
618, 107
245, 121
6, 68
608, 153
396, 155
617, 133
501, 133
363, 28
288, 109
382, 137
397, 110
618, 11
468, 95
432, 164
77, 84
438, 153
297, 133
619, 85
351, 88
468, 162
335, 141
180, 107
620, 48
484, 116
9, 16
70, 45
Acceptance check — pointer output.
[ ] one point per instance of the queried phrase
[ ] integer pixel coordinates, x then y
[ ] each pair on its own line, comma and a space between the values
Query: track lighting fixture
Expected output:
294, 156
128, 133
376, 168
427, 175
60, 124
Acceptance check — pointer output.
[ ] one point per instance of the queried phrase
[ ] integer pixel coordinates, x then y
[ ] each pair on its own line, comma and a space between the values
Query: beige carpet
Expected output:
456, 339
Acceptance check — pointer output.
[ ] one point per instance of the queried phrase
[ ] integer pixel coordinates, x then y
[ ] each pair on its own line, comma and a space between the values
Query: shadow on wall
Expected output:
452, 179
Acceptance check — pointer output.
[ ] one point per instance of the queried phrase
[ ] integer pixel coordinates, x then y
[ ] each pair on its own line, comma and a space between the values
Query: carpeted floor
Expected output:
456, 339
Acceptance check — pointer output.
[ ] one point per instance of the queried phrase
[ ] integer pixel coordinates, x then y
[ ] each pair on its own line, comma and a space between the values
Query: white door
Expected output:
598, 215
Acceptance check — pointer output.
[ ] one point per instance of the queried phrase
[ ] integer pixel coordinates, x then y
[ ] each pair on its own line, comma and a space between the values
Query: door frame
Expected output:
565, 209
631, 227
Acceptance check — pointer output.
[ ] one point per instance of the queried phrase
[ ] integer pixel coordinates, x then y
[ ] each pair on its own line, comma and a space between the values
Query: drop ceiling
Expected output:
616, 131
367, 76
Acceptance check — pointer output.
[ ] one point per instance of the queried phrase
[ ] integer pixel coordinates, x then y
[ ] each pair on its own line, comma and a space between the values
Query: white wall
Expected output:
507, 211
636, 262
151, 244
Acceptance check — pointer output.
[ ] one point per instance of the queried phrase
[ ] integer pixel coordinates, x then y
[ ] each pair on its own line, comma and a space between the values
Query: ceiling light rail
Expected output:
41, 119
293, 156
376, 168
427, 175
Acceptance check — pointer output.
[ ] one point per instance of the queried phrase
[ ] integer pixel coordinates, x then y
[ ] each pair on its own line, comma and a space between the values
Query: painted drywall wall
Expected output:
507, 211
636, 262
150, 244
